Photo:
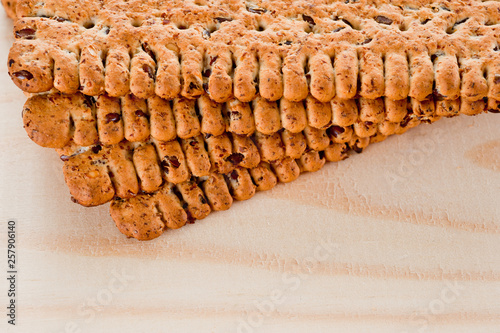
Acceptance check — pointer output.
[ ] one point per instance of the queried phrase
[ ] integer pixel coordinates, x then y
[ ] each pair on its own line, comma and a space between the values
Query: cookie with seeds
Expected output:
242, 50
147, 216
98, 172
54, 120
10, 8
146, 199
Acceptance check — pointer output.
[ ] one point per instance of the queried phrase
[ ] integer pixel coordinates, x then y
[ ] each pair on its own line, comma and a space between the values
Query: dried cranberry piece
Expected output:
23, 75
174, 162
256, 10
207, 72
366, 41
308, 19
112, 117
405, 121
139, 113
96, 149
357, 149
147, 49
212, 60
223, 19
234, 175
336, 131
236, 158
148, 70
190, 218
383, 20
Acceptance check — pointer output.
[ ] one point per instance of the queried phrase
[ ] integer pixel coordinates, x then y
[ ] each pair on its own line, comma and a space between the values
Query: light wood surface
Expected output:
402, 238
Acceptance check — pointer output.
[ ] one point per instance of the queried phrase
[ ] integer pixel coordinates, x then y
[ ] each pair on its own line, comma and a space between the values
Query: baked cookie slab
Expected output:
55, 120
275, 49
157, 185
163, 185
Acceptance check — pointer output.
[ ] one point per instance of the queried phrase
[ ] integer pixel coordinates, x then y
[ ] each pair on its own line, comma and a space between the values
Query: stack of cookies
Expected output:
173, 109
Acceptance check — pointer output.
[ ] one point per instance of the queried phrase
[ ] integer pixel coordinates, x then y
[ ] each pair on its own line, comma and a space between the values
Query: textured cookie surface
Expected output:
53, 120
277, 49
10, 7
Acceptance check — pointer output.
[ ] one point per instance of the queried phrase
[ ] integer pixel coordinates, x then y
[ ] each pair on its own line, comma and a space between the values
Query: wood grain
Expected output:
402, 238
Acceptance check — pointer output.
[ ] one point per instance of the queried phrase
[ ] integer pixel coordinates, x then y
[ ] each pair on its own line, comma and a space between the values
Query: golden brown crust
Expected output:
90, 182
196, 108
10, 8
236, 50
52, 120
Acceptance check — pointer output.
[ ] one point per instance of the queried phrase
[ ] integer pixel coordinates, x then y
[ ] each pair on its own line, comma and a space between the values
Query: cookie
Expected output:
156, 184
97, 173
273, 49
55, 120
150, 193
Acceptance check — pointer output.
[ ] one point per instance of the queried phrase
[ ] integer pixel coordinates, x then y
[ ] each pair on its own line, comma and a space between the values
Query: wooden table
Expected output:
402, 238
